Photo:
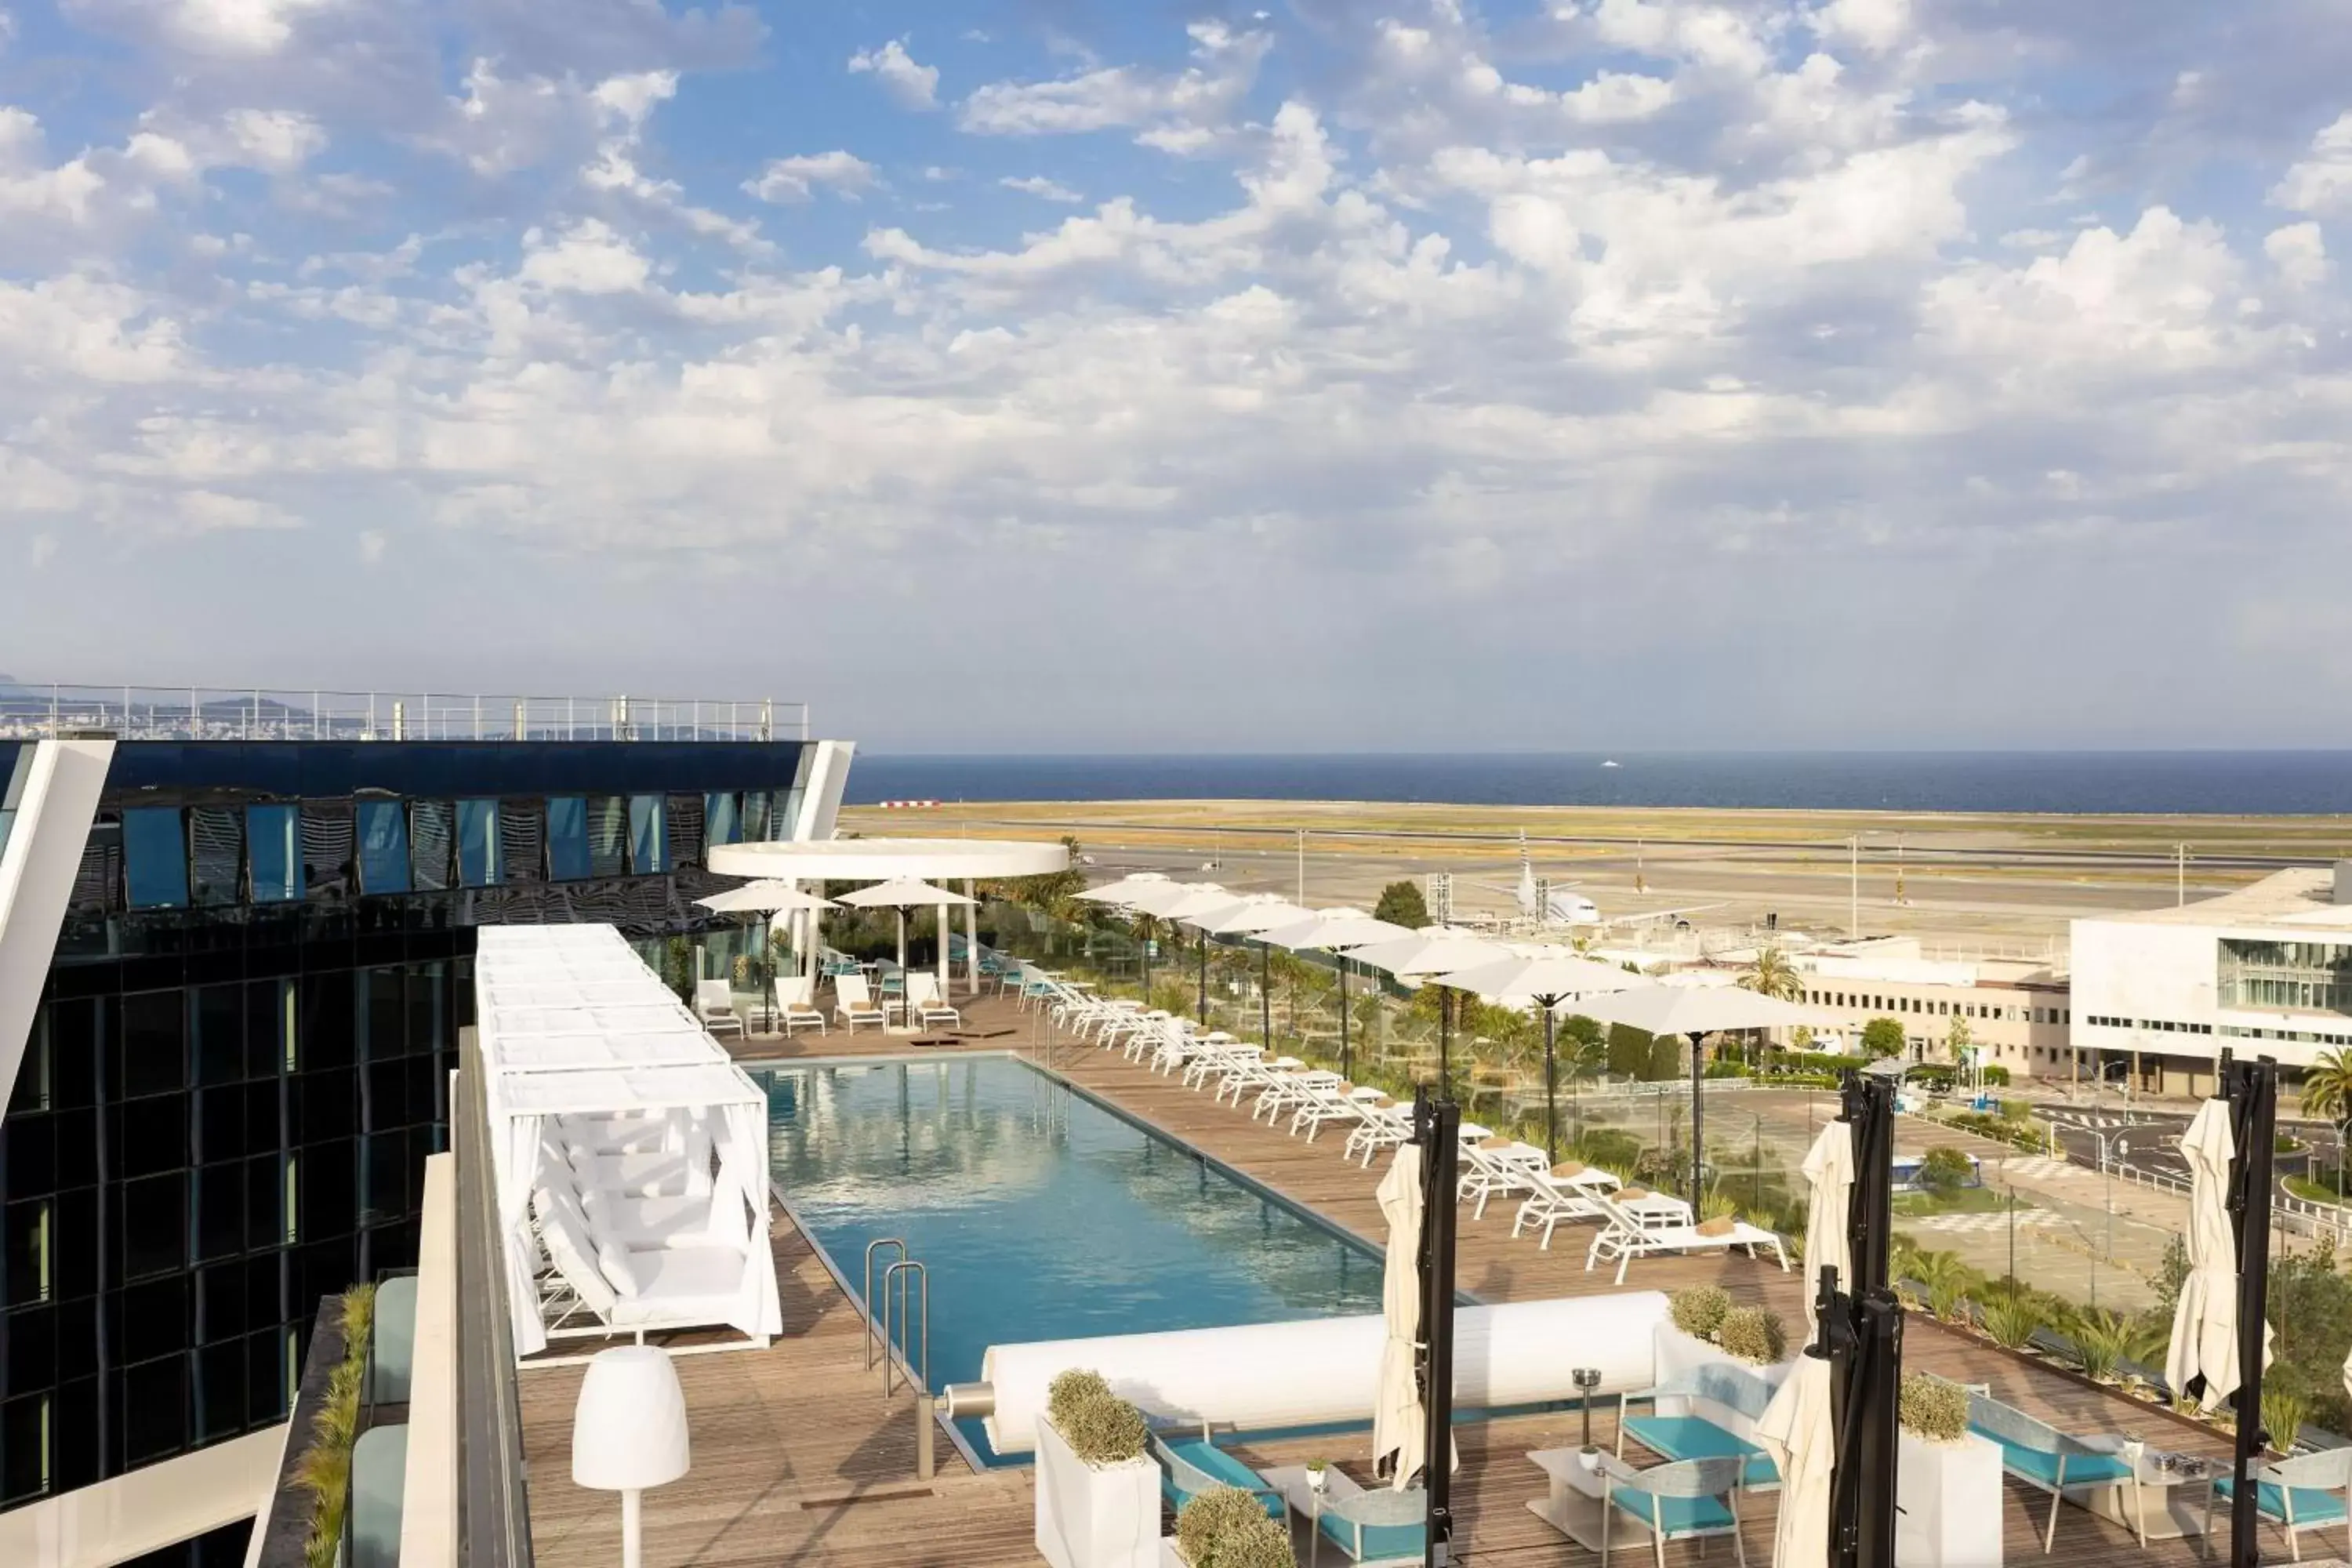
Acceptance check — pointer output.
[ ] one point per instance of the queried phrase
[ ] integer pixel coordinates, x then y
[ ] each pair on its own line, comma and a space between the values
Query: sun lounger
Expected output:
1343, 1102
2308, 1491
1191, 1465
1502, 1165
1387, 1123
853, 1003
1291, 1090
1710, 1413
2045, 1459
1632, 1232
924, 1001
1569, 1191
795, 998
714, 1008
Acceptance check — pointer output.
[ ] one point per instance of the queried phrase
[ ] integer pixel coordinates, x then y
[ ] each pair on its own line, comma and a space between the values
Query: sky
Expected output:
1317, 374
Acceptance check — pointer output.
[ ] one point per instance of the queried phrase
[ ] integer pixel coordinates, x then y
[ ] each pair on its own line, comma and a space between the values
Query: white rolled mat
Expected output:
1262, 1375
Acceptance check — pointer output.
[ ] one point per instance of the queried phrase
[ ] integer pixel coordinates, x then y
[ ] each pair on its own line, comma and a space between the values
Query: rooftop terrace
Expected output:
29, 711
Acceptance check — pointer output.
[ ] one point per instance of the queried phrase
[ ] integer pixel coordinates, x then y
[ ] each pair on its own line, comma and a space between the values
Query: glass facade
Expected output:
2285, 976
241, 1057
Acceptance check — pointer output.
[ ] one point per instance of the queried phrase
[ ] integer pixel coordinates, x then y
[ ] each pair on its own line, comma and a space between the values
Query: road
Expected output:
2150, 1139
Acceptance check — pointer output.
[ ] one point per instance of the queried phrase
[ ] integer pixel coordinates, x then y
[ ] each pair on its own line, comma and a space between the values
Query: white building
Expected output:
2264, 971
2016, 1011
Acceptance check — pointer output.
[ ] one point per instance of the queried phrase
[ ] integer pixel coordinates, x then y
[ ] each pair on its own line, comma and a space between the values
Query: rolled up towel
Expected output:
1723, 1227
1632, 1194
1569, 1168
1497, 1144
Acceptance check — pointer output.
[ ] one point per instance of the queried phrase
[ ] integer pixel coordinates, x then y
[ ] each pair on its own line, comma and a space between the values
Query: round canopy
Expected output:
880, 859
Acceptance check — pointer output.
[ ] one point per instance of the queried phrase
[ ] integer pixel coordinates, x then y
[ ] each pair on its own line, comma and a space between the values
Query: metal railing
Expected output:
231, 713
904, 1338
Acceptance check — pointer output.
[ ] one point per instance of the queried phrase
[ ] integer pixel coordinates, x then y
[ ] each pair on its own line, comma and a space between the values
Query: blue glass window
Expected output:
329, 849
648, 835
432, 841
478, 843
567, 839
720, 823
755, 816
155, 858
273, 853
608, 836
383, 847
215, 854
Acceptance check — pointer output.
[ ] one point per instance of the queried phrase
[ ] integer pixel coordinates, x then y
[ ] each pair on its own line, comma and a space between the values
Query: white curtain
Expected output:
743, 1179
518, 1156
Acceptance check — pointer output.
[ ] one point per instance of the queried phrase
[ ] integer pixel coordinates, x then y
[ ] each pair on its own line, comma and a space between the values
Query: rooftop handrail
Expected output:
494, 1505
30, 711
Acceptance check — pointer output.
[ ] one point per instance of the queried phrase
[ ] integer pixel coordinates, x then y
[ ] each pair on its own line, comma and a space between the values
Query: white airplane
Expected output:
1561, 905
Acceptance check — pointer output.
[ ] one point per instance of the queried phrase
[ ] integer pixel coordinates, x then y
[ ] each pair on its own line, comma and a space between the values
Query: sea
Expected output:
2265, 783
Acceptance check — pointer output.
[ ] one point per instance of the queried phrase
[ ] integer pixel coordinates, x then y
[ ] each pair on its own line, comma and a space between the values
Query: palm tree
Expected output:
1772, 975
2328, 1091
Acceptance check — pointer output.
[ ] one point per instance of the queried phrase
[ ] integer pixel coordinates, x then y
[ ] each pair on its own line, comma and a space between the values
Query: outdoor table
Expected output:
1573, 1507
2168, 1509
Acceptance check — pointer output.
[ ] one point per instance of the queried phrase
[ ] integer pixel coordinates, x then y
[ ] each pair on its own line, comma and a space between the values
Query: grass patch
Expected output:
2310, 1191
1955, 1200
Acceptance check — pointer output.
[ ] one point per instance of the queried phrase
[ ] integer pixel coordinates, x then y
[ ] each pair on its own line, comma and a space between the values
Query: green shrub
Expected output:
1933, 1408
2009, 1322
1699, 1311
1753, 1334
2017, 1111
1945, 1169
324, 1471
1100, 1427
1225, 1527
1666, 1058
2284, 1414
2102, 1338
1717, 1204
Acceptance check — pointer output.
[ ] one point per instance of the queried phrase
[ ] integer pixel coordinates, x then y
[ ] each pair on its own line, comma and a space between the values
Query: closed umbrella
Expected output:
1329, 930
1798, 1430
903, 894
1432, 950
1698, 1011
2205, 1321
1547, 981
1253, 915
1400, 1425
1829, 1167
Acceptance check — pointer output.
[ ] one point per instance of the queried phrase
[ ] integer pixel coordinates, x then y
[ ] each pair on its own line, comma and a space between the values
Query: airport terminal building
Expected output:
2266, 969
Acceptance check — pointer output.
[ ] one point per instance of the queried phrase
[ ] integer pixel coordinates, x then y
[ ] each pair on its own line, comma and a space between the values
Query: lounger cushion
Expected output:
1677, 1515
1380, 1540
613, 1258
1697, 1438
1216, 1463
642, 1223
2040, 1465
574, 1254
685, 1284
2312, 1505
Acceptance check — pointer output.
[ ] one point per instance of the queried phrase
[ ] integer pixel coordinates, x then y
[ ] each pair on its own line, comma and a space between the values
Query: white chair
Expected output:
1218, 1055
1343, 1102
1631, 1232
1502, 1165
714, 1008
1387, 1123
796, 999
1566, 1192
853, 1004
1291, 1090
923, 1001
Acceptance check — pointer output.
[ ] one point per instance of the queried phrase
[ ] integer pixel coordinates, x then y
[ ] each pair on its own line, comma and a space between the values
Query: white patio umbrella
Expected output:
1150, 893
1250, 917
1546, 981
1829, 1167
1798, 1430
1119, 892
903, 894
767, 896
2205, 1322
1330, 930
1698, 1011
1201, 897
1431, 952
1400, 1422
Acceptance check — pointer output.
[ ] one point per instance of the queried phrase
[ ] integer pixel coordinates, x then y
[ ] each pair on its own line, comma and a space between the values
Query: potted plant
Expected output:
1703, 1326
1319, 1475
1948, 1488
1225, 1527
1097, 1493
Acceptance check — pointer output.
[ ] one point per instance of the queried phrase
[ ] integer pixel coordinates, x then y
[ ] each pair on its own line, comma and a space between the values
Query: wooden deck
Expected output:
798, 1458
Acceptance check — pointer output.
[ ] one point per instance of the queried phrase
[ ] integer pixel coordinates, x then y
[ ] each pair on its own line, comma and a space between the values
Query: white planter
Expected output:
1948, 1501
1678, 1353
1090, 1518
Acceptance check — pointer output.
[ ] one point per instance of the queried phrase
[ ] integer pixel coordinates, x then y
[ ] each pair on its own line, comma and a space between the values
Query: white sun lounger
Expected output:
798, 1010
1568, 1192
1387, 1123
1291, 1090
853, 1003
1343, 1102
923, 1000
1628, 1235
1494, 1165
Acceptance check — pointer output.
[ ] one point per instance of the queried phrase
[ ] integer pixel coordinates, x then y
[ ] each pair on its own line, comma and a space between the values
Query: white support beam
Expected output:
148, 1508
37, 877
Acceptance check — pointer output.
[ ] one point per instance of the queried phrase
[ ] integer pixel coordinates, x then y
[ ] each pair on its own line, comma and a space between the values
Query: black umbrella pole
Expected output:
1698, 1120
1343, 1017
1445, 1065
1205, 979
1551, 1093
1266, 995
2252, 1091
1437, 1126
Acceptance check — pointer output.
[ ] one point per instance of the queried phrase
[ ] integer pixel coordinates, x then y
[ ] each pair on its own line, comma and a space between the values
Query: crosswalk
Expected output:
1976, 1224
2039, 1167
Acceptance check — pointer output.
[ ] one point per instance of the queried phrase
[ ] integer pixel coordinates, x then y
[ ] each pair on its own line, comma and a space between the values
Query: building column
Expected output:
947, 986
972, 938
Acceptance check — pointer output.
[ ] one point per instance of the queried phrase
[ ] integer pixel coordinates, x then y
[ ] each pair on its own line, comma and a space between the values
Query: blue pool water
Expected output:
1039, 1213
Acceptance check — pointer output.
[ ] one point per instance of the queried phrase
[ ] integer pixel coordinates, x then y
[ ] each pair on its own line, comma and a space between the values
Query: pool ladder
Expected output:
889, 1331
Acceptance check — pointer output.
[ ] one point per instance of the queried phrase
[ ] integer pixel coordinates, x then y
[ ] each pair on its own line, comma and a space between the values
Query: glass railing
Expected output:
217, 713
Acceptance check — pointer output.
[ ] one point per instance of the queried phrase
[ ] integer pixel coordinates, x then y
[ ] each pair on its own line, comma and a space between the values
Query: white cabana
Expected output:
629, 1154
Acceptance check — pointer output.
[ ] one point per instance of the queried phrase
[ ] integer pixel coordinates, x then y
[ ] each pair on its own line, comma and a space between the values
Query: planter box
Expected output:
1678, 1353
1948, 1501
1090, 1518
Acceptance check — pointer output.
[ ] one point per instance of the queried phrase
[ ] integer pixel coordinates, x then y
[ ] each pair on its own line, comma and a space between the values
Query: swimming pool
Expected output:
1040, 1213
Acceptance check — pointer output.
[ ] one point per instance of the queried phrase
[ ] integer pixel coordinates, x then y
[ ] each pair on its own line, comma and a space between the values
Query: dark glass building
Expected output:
240, 1058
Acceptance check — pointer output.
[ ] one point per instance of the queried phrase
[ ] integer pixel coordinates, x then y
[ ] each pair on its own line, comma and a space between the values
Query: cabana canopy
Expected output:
585, 1052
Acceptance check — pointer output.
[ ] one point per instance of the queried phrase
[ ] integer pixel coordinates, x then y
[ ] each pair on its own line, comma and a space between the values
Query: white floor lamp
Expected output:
628, 1433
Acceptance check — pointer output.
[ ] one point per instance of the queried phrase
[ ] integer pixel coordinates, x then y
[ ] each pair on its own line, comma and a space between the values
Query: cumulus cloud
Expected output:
1179, 110
800, 176
2321, 183
1038, 185
909, 85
